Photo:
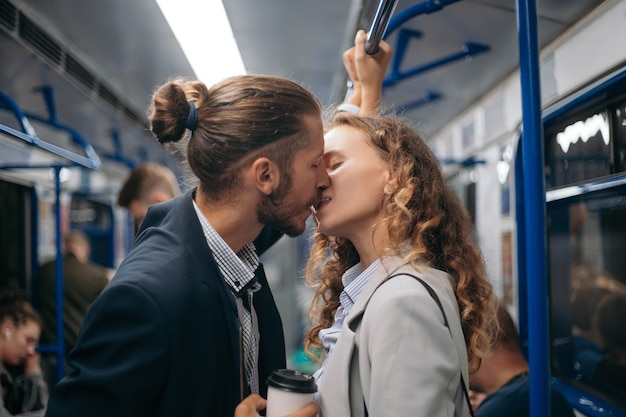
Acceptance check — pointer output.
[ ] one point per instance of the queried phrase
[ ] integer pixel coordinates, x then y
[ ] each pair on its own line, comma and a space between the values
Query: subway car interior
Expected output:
523, 102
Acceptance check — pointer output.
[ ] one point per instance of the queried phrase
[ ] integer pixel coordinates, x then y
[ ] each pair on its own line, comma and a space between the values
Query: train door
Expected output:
18, 228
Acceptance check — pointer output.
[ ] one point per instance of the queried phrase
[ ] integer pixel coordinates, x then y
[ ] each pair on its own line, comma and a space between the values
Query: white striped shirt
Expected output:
353, 282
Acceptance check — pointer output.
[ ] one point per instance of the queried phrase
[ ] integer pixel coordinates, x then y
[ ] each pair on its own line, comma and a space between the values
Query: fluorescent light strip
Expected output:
204, 33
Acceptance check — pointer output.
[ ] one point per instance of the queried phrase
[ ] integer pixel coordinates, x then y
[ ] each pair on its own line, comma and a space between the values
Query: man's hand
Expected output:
309, 410
250, 406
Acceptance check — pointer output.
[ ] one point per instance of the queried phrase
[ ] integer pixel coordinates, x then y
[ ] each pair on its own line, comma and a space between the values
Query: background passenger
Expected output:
147, 184
502, 378
23, 387
83, 281
586, 339
612, 369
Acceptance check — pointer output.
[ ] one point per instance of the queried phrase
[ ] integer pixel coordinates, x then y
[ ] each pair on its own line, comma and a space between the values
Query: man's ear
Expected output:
265, 174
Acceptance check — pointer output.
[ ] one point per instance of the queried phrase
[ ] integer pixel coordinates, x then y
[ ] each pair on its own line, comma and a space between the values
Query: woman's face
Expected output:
351, 205
18, 342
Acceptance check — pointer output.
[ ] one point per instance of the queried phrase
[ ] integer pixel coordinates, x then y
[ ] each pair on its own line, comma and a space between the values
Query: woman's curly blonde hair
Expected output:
423, 214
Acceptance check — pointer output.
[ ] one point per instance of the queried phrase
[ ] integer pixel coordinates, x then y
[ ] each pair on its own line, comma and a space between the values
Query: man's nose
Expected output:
323, 180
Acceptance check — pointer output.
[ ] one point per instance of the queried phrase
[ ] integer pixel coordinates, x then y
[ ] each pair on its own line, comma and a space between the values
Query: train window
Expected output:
586, 238
579, 151
95, 219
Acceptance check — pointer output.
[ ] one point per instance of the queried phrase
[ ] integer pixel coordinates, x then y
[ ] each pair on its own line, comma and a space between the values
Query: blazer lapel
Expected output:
337, 379
208, 273
343, 381
386, 268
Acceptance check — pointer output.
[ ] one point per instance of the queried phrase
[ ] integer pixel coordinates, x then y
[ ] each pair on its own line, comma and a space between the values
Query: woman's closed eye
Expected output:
333, 164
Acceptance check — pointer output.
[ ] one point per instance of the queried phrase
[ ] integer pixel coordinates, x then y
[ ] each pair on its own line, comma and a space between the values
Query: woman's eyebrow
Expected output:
332, 152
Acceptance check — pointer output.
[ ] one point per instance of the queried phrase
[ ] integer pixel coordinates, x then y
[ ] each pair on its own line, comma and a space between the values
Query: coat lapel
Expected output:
342, 381
386, 268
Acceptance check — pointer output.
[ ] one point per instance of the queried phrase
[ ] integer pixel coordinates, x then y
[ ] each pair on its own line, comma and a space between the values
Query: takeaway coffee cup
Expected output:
288, 391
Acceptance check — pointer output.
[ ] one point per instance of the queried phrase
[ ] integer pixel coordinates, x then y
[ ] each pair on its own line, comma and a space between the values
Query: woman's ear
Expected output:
391, 182
6, 328
265, 175
6, 323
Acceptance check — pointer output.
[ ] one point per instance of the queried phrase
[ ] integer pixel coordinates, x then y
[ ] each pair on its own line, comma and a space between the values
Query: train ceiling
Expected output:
102, 59
304, 39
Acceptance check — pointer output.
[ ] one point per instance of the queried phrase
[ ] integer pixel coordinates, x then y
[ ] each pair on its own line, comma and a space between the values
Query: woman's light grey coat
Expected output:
395, 352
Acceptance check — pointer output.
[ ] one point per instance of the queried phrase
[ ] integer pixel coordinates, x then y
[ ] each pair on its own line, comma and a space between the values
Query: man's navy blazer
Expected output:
163, 339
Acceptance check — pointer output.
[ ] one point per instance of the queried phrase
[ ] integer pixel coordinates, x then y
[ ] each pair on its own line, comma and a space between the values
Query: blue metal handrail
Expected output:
383, 24
535, 246
91, 161
58, 348
425, 7
28, 136
53, 121
118, 155
426, 98
468, 50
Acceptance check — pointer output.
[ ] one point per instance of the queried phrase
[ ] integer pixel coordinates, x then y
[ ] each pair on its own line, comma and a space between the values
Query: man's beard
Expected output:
281, 210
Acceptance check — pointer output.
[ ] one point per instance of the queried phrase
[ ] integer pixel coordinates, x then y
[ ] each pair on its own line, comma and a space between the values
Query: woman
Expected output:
386, 217
20, 326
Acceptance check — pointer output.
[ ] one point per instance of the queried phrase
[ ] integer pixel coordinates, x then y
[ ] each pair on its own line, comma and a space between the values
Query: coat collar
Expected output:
387, 266
391, 265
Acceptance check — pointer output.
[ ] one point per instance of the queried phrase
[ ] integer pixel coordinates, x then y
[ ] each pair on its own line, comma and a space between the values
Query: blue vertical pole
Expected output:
59, 301
535, 219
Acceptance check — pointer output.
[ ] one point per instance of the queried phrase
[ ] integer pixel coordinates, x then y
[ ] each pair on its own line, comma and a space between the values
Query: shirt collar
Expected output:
354, 279
237, 268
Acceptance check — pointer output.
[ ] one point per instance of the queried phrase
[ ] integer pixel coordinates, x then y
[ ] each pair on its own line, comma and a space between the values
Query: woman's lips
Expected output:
316, 207
324, 201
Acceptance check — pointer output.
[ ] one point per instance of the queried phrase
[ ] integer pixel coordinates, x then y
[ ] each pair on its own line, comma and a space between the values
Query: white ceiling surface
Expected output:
304, 40
129, 45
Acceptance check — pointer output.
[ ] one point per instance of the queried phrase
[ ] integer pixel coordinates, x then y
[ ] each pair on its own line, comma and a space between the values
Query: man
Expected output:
178, 330
500, 387
188, 326
83, 281
147, 184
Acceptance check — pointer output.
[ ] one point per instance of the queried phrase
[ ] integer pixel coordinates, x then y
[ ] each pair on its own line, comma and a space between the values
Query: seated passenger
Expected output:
83, 281
612, 369
23, 387
586, 340
503, 378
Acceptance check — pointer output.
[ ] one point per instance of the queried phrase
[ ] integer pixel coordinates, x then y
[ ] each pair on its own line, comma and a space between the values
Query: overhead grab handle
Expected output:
25, 126
379, 25
28, 136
